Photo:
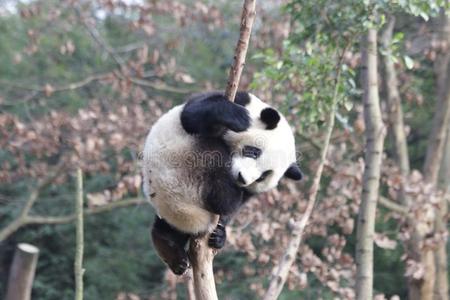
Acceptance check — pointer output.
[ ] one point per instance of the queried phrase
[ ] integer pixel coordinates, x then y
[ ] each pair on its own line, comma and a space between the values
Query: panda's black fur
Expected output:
211, 187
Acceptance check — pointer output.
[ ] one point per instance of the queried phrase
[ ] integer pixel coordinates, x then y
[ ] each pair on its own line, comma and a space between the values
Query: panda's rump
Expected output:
182, 215
174, 176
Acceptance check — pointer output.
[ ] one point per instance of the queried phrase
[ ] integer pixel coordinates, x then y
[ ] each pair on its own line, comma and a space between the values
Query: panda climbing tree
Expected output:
204, 159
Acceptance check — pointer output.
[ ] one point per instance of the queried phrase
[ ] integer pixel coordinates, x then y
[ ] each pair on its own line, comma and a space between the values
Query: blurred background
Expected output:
82, 82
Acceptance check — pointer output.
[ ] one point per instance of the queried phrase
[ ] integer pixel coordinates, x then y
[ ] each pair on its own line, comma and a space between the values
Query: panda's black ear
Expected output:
270, 117
294, 172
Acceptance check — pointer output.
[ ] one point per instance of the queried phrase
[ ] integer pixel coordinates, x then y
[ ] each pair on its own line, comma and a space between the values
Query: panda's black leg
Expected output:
210, 114
170, 244
218, 237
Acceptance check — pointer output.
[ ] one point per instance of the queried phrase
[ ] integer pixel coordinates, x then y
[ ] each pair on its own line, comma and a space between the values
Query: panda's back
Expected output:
174, 175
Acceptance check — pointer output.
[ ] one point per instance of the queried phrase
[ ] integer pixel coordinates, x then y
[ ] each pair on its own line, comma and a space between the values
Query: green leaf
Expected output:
409, 62
424, 16
348, 105
398, 37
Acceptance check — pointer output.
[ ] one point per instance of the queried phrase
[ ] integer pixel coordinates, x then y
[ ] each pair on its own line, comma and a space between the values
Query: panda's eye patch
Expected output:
264, 175
251, 152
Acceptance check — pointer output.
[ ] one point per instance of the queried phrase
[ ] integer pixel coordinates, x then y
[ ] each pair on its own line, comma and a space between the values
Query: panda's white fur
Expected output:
174, 183
277, 145
170, 181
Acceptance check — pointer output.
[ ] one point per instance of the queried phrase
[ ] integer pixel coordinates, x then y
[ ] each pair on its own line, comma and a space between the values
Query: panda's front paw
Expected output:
218, 237
236, 119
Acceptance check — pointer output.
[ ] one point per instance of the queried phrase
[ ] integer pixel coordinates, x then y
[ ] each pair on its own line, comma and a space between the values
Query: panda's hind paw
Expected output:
181, 267
218, 237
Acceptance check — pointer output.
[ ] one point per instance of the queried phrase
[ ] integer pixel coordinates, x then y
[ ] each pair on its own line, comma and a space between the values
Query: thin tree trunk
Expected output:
436, 157
22, 272
394, 101
441, 289
371, 181
394, 105
78, 265
442, 112
201, 257
200, 254
280, 272
412, 246
248, 16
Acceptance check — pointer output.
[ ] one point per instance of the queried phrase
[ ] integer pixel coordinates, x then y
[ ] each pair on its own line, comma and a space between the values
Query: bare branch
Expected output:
156, 86
280, 272
201, 255
40, 220
389, 204
78, 265
394, 105
248, 16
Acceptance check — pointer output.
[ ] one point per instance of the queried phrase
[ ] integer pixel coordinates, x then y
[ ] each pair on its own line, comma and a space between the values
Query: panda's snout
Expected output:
241, 179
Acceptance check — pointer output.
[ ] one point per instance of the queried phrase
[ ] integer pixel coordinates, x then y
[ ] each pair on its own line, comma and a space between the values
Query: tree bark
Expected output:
394, 108
394, 105
22, 272
201, 257
78, 264
441, 289
371, 181
248, 16
442, 112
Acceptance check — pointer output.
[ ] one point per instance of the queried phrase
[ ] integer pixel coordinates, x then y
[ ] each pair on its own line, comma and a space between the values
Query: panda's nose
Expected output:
241, 179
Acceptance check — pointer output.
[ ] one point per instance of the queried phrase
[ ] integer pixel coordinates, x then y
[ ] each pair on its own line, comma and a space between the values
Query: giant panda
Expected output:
207, 157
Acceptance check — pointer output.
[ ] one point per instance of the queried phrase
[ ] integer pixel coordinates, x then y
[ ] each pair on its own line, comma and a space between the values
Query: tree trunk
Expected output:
371, 181
442, 112
200, 254
201, 257
417, 289
435, 284
79, 247
441, 290
394, 105
22, 272
437, 158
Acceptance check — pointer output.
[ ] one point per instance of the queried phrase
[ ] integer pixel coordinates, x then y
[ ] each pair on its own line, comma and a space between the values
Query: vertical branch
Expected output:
201, 257
371, 179
441, 118
248, 16
394, 105
189, 282
441, 289
22, 272
200, 254
281, 271
79, 238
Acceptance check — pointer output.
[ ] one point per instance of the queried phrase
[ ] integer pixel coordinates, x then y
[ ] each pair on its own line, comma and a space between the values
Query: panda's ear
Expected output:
270, 117
294, 172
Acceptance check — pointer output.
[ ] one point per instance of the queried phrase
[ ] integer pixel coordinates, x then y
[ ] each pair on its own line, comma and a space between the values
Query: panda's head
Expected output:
265, 152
